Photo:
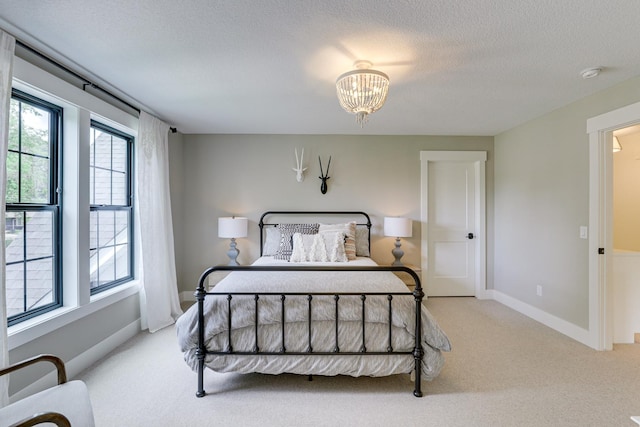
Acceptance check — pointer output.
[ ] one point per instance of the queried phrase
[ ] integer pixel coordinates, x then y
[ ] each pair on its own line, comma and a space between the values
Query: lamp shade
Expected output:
232, 227
397, 227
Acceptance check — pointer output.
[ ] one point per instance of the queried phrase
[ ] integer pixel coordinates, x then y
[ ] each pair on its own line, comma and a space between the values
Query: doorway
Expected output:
601, 249
626, 234
453, 223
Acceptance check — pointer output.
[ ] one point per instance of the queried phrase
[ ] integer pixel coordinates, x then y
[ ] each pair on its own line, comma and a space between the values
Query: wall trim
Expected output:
560, 325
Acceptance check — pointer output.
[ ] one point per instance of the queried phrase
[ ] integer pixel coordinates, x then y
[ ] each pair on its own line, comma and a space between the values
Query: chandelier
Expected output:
362, 91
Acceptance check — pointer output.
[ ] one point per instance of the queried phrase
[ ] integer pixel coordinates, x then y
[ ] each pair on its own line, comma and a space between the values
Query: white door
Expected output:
452, 227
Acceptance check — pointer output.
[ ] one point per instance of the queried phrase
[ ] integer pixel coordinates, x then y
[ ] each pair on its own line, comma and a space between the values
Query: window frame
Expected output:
128, 207
54, 204
79, 107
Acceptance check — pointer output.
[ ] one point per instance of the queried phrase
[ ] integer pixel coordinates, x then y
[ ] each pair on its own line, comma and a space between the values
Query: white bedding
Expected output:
323, 313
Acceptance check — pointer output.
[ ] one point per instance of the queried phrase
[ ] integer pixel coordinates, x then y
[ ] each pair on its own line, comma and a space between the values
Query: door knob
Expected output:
470, 236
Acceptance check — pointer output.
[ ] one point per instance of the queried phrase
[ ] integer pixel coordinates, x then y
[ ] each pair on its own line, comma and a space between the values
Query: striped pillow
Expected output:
286, 236
362, 241
349, 229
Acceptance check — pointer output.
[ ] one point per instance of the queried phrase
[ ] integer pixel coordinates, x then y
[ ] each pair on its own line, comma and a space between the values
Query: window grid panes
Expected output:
110, 222
32, 208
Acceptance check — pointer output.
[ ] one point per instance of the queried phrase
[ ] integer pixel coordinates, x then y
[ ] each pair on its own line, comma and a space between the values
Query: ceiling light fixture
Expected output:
590, 73
362, 91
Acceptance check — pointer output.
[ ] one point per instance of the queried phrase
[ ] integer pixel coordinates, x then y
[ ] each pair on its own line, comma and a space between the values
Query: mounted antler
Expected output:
299, 170
324, 177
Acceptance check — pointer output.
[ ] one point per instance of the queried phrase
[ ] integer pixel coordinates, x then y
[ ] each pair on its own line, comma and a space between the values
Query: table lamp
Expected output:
397, 227
232, 227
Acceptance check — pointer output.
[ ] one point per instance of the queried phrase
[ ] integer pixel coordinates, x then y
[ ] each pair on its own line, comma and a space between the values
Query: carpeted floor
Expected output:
505, 370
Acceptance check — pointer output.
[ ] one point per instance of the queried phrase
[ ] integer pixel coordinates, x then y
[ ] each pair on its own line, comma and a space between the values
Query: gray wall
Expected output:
541, 200
249, 174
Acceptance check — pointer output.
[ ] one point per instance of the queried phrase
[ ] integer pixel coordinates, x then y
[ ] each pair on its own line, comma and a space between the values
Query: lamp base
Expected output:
233, 252
397, 253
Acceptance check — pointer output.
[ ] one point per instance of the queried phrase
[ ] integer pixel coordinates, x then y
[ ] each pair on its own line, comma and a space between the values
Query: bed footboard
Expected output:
201, 293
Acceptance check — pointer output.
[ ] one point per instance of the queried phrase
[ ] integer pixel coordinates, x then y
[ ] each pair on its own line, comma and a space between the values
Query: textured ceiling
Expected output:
464, 67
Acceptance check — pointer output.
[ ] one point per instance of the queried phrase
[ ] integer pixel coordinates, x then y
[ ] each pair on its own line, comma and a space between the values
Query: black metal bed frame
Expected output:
417, 293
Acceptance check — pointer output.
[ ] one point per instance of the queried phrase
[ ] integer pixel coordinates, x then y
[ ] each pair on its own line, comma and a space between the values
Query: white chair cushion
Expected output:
70, 399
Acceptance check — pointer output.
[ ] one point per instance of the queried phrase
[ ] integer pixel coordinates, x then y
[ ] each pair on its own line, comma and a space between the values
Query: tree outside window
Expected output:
32, 209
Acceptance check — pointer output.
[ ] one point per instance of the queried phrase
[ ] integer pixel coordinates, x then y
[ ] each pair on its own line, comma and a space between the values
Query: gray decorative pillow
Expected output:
286, 236
272, 241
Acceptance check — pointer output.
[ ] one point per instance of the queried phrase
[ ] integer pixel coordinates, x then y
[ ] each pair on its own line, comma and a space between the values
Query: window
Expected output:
111, 217
32, 245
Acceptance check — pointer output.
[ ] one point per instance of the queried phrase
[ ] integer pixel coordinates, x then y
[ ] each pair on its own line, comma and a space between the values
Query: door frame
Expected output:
600, 130
479, 159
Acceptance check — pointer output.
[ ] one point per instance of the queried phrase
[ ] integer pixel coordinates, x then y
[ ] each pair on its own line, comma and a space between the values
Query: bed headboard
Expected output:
273, 218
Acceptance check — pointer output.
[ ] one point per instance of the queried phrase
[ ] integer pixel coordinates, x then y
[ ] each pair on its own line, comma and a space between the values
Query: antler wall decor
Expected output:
299, 170
324, 176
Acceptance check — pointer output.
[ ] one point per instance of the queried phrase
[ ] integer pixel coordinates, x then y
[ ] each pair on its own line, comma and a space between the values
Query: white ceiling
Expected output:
463, 67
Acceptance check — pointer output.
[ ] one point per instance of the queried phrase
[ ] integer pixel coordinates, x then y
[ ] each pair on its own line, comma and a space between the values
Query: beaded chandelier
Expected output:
362, 91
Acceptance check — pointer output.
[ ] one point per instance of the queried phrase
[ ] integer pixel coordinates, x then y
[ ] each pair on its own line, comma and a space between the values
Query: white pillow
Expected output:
325, 247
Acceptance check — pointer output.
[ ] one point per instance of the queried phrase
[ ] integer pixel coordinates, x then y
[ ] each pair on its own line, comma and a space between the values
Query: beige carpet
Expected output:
504, 370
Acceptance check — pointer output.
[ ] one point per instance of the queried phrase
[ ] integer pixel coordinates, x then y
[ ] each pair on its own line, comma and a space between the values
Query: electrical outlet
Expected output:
539, 290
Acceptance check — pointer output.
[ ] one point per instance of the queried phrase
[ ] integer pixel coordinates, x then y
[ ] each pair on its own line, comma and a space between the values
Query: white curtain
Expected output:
7, 46
161, 304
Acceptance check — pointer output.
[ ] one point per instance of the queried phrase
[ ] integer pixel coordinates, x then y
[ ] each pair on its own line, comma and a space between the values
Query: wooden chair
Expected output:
66, 404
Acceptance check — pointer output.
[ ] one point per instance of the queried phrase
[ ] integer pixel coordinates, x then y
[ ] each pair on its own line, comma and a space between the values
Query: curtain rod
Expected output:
85, 81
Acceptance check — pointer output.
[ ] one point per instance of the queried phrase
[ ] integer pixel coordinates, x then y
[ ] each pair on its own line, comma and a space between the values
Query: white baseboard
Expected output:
83, 361
569, 329
485, 294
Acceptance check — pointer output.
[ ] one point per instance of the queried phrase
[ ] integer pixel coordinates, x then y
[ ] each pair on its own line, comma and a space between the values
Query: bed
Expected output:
314, 303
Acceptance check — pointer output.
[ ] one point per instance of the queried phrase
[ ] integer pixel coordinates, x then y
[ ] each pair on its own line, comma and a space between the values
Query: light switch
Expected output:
584, 232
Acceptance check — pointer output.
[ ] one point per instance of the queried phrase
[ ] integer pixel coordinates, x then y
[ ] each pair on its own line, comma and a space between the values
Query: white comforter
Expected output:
323, 313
